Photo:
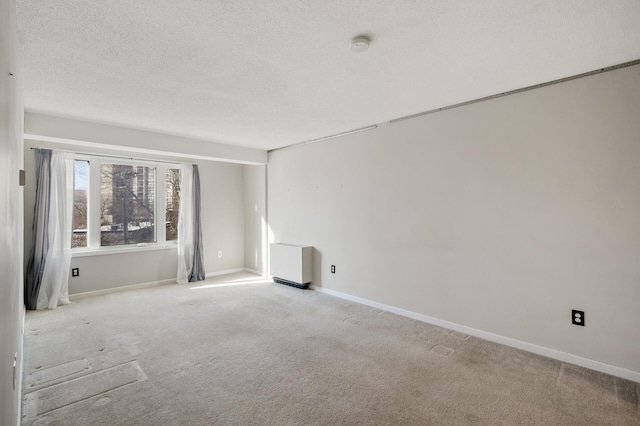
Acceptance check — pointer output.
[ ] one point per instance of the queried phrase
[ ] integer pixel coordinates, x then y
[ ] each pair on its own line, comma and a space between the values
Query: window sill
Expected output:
121, 250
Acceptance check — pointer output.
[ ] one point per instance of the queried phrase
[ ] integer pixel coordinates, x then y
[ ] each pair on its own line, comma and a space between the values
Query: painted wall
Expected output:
222, 229
222, 215
255, 218
97, 135
11, 218
501, 216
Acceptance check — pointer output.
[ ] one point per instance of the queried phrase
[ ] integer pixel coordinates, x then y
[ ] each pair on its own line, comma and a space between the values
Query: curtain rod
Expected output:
122, 157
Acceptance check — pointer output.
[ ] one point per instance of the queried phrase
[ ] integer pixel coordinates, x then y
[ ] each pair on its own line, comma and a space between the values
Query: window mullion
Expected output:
93, 218
161, 204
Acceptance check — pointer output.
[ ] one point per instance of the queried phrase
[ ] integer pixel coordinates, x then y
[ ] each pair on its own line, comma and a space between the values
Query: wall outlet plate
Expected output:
75, 272
577, 317
333, 269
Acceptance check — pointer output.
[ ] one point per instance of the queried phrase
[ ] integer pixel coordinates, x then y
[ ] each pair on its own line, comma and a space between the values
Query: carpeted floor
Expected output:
239, 350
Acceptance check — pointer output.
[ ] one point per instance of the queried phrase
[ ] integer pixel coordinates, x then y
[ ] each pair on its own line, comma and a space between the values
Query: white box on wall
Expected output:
293, 263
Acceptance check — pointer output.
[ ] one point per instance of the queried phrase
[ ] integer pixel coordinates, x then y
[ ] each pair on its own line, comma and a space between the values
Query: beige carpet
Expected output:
223, 352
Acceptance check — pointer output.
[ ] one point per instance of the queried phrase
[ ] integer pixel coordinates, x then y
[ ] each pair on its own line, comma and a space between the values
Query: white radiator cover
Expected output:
291, 262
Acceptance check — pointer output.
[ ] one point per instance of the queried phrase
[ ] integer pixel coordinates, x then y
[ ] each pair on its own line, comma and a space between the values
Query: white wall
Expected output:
11, 222
501, 216
222, 228
221, 186
255, 218
122, 269
97, 135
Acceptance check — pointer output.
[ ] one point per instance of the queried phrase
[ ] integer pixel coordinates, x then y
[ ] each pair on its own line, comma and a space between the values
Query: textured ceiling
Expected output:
266, 74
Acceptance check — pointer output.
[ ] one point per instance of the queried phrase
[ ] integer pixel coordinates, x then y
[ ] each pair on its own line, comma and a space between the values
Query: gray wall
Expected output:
255, 220
11, 217
222, 215
501, 216
222, 229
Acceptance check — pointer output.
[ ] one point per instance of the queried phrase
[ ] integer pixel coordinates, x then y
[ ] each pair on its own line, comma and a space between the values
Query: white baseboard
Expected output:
253, 271
225, 272
78, 296
507, 341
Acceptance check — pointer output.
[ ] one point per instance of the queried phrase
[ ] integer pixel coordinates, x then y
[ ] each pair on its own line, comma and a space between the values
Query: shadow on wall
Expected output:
317, 268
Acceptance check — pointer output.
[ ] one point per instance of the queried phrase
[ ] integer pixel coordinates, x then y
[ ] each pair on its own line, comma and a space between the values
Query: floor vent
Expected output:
290, 283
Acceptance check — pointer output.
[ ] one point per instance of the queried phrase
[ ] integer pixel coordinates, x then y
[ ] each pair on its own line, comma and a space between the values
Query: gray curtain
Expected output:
197, 272
40, 245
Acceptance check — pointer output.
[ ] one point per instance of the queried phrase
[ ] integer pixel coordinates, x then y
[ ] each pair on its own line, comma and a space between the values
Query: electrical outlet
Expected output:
577, 317
75, 272
219, 253
333, 269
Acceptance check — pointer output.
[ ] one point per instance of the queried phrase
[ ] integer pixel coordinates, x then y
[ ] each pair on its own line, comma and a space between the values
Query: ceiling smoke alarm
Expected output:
360, 43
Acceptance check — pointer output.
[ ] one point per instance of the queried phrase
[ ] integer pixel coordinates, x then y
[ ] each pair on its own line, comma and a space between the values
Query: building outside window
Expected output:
127, 200
122, 201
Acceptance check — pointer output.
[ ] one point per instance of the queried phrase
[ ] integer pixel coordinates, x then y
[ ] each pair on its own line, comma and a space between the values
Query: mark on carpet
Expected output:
352, 321
627, 392
441, 350
102, 401
582, 383
79, 389
459, 335
56, 372
42, 421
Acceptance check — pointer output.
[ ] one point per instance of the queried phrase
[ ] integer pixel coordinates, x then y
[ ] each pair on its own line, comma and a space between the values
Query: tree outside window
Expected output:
124, 200
128, 196
172, 186
80, 203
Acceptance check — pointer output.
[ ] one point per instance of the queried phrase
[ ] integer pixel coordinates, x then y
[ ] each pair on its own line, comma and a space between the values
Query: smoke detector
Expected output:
360, 43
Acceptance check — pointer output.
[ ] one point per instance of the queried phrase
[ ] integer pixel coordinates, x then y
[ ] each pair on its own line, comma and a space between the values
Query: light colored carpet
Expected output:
217, 353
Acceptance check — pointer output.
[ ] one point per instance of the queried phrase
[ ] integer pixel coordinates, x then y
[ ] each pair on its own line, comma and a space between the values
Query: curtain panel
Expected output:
46, 281
40, 242
190, 253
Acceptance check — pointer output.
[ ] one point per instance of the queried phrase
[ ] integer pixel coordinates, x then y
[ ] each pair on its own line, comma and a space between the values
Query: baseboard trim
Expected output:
225, 272
253, 271
496, 338
78, 296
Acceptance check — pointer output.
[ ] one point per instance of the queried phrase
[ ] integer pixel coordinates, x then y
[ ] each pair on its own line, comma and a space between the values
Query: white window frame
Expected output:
93, 207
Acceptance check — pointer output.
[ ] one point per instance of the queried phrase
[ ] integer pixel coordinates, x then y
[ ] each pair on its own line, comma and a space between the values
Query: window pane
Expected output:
80, 190
173, 203
127, 200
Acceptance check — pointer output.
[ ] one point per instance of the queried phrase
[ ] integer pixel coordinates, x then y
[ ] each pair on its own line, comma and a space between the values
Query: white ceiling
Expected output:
266, 74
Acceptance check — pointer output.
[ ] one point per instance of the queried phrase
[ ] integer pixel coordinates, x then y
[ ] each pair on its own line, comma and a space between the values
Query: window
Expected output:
118, 202
80, 197
127, 204
172, 187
